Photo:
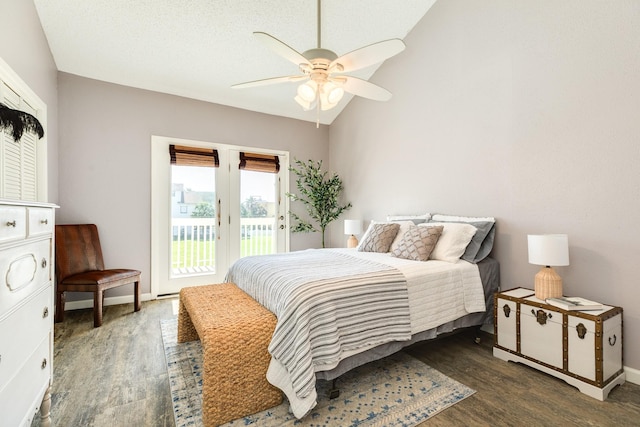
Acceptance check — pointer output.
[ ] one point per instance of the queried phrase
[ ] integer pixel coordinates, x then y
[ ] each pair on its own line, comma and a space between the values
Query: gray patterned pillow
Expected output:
378, 237
418, 243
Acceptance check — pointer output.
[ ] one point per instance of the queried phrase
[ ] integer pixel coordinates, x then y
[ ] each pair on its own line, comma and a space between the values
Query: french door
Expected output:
212, 204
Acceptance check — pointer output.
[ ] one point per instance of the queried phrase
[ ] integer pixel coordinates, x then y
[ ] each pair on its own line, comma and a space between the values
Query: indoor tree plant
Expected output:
319, 192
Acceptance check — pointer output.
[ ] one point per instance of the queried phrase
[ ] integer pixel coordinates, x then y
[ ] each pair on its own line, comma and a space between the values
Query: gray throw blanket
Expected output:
326, 303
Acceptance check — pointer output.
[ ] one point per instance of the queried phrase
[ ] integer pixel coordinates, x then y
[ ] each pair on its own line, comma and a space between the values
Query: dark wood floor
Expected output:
115, 375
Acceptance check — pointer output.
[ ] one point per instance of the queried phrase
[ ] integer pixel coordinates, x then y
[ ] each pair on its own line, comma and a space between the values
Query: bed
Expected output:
340, 308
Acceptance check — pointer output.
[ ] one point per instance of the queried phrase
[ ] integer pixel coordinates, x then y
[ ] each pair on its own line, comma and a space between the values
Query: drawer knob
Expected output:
541, 316
507, 310
44, 363
581, 330
44, 263
613, 342
45, 312
44, 221
11, 223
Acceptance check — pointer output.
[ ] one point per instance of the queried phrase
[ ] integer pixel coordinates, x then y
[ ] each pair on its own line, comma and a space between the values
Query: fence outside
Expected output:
194, 242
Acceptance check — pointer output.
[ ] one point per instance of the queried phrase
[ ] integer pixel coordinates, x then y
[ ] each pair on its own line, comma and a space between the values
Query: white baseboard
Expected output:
633, 375
88, 303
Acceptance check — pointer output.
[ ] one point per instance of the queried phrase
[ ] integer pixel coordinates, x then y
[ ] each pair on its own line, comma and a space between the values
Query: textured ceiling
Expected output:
199, 48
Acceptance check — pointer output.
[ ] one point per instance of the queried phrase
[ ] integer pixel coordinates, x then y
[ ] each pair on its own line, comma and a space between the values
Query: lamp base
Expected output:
548, 284
352, 242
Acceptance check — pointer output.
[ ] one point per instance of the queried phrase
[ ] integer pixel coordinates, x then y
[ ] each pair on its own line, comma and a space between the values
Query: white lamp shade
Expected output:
548, 249
352, 226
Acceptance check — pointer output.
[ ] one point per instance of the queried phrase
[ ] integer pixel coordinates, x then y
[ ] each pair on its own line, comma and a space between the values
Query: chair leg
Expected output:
60, 306
136, 296
98, 298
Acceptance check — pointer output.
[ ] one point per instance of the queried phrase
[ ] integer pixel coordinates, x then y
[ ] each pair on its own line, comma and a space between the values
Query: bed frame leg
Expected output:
478, 339
334, 393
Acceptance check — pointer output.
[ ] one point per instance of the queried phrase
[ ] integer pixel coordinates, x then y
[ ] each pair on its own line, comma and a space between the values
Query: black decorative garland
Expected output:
19, 121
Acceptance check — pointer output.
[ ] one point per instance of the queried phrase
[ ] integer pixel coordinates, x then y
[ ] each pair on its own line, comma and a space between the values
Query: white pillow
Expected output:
439, 217
417, 219
453, 241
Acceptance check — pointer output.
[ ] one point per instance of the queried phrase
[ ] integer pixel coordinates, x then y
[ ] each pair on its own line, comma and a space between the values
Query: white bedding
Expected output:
439, 291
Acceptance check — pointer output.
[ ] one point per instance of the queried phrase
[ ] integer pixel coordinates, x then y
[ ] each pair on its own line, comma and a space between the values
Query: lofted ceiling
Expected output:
199, 48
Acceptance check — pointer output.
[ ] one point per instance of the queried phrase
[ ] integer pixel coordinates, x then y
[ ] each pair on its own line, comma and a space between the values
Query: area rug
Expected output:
396, 391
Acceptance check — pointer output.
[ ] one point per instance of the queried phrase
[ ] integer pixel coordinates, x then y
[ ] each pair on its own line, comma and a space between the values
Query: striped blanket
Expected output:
327, 304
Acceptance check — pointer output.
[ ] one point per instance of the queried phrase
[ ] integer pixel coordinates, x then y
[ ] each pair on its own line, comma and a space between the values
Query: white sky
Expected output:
201, 179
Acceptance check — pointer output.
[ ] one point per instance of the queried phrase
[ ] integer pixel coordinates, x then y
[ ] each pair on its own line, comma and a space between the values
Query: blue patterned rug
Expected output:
396, 391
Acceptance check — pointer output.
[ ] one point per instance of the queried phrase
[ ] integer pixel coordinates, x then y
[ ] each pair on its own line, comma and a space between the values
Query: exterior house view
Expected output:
501, 122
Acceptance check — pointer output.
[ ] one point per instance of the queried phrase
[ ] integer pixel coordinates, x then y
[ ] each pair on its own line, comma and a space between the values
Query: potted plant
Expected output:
319, 192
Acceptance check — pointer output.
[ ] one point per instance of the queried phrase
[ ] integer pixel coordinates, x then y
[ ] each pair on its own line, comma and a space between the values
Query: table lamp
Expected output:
548, 250
352, 227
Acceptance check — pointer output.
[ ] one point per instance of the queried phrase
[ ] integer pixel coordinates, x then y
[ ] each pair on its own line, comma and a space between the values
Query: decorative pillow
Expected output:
418, 243
416, 219
378, 237
453, 241
404, 227
482, 243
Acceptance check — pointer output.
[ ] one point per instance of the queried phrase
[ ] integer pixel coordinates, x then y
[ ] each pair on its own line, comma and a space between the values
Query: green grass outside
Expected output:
201, 248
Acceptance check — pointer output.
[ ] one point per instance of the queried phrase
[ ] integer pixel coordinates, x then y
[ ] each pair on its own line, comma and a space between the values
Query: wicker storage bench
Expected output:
235, 332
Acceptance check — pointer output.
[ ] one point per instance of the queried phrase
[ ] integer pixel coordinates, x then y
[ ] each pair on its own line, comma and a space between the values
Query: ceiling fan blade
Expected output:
369, 55
362, 88
281, 48
270, 81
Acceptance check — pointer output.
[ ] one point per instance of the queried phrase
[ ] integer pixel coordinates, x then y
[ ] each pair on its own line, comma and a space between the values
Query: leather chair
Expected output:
80, 268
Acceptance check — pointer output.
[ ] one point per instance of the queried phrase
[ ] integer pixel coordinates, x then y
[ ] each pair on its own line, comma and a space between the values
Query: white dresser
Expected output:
26, 311
583, 348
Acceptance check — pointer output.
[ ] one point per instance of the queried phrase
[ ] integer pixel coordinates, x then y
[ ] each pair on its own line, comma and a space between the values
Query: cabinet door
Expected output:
541, 335
506, 324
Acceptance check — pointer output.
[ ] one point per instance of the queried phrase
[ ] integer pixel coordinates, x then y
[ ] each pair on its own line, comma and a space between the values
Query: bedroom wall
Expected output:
105, 152
526, 111
24, 47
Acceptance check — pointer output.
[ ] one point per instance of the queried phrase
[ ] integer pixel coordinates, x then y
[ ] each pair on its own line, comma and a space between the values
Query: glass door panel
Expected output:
193, 220
258, 213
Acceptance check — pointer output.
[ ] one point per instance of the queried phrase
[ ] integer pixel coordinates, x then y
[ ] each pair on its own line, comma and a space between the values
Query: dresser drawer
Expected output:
22, 331
506, 324
24, 269
40, 221
13, 223
21, 397
541, 334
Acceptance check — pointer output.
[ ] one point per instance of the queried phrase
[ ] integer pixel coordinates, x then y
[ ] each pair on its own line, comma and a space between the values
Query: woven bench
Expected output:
235, 332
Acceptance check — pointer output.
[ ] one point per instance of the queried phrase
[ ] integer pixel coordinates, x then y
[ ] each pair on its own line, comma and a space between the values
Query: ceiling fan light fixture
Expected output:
325, 103
334, 93
306, 105
307, 91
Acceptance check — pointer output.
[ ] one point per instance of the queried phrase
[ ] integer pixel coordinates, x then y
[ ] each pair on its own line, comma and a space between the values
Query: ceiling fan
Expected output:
324, 84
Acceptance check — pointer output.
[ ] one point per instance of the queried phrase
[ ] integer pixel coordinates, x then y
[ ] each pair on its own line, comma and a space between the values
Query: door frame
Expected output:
230, 222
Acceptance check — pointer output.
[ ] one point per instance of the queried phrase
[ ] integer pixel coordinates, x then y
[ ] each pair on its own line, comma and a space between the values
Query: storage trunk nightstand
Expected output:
583, 348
